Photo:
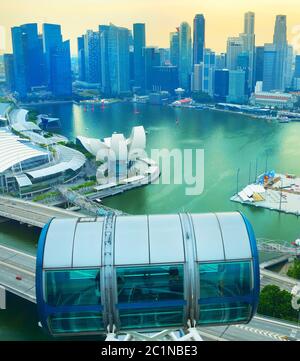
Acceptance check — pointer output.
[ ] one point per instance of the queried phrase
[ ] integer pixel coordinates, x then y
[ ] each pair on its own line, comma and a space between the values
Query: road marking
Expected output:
17, 269
269, 334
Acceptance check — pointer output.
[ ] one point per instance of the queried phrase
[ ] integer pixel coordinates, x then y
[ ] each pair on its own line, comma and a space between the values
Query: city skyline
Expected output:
159, 22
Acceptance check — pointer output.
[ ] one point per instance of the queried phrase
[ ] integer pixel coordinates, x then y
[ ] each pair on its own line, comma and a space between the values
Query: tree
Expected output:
276, 303
294, 270
201, 97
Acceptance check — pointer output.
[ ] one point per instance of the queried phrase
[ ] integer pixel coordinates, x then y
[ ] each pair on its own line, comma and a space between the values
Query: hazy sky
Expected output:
223, 17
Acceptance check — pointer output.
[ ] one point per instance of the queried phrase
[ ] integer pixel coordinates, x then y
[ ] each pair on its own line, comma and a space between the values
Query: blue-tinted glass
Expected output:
74, 287
225, 279
224, 313
76, 322
150, 296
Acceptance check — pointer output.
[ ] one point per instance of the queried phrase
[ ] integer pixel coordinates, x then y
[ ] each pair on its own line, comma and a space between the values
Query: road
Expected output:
31, 213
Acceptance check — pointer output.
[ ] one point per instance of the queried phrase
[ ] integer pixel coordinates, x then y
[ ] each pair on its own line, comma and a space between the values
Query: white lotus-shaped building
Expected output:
117, 153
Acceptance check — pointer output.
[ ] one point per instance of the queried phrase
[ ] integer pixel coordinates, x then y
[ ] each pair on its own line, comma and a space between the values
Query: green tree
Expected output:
276, 303
294, 270
201, 97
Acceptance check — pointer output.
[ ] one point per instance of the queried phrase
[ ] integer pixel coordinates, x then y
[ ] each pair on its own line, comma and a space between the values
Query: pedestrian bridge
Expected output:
32, 213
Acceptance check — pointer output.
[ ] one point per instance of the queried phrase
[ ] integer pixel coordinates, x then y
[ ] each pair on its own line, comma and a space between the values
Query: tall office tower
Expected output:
139, 42
164, 56
235, 46
221, 85
280, 42
27, 58
174, 48
165, 78
185, 55
297, 67
259, 63
92, 57
243, 60
248, 38
197, 76
115, 60
236, 89
221, 60
52, 38
61, 74
209, 65
151, 59
9, 71
289, 67
270, 56
199, 39
81, 58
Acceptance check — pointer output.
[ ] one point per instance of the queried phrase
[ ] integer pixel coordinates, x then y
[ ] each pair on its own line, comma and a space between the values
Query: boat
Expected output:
284, 120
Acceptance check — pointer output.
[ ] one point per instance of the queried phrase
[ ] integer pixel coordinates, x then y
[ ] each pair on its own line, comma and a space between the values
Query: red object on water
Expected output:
19, 278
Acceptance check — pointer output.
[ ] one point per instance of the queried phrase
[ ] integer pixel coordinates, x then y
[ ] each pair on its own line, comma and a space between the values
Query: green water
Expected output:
230, 141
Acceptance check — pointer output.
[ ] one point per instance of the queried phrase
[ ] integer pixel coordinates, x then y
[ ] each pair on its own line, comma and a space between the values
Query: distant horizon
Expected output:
223, 20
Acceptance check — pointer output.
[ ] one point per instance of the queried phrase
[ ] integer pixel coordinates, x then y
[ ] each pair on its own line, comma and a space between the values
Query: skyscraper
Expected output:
235, 46
61, 76
185, 55
259, 63
81, 58
270, 56
289, 67
208, 71
92, 57
197, 76
199, 39
115, 64
248, 38
151, 59
27, 58
280, 43
52, 38
174, 48
297, 67
9, 71
139, 43
236, 89
221, 85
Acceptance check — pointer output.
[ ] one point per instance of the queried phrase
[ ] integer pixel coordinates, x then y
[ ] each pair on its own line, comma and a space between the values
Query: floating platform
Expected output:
281, 194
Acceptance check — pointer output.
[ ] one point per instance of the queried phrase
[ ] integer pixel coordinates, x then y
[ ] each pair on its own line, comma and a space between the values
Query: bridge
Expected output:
32, 213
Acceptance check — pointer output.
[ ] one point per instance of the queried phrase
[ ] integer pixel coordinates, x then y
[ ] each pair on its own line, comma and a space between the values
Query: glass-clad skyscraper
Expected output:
199, 39
139, 38
185, 56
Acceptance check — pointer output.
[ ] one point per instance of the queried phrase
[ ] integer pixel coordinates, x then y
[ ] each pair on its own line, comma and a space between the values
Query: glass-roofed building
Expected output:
146, 273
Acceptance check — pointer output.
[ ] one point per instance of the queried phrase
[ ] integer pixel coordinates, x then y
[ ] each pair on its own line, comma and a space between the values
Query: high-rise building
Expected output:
27, 58
151, 59
248, 38
235, 46
115, 60
197, 76
164, 56
280, 43
139, 43
221, 85
199, 39
243, 65
9, 71
52, 38
61, 75
92, 57
289, 67
174, 48
259, 63
209, 66
270, 56
81, 58
221, 61
165, 78
297, 67
236, 90
185, 56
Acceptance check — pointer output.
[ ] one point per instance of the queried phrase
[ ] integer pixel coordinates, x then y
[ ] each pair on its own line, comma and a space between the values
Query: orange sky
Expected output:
223, 17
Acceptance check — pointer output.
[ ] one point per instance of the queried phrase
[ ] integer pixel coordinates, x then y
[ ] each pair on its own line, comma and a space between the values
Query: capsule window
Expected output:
224, 313
74, 287
230, 279
150, 296
73, 322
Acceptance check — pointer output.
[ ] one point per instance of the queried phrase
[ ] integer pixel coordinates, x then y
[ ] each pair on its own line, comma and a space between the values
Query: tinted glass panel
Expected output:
76, 322
75, 287
225, 279
150, 296
224, 313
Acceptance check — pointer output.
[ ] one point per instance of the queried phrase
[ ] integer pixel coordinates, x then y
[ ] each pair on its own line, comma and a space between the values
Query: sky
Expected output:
223, 18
